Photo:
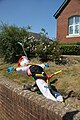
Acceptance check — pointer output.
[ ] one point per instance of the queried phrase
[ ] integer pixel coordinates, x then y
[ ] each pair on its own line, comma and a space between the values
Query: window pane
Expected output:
71, 21
76, 20
71, 30
77, 29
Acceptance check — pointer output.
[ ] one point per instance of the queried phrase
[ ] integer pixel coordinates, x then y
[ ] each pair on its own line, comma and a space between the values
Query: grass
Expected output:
68, 80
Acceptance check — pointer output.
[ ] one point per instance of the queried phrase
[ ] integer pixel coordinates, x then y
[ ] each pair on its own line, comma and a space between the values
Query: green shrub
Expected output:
70, 49
42, 47
9, 36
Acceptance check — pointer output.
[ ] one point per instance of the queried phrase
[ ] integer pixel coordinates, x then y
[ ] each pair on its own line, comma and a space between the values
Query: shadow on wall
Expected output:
70, 115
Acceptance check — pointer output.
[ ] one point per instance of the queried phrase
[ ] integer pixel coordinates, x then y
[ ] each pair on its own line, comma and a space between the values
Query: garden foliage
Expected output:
10, 50
70, 49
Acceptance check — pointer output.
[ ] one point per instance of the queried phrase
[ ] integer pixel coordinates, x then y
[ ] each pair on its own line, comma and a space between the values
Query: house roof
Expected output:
61, 8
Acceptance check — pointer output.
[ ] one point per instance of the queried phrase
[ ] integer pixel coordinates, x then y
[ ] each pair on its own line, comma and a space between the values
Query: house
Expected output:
68, 21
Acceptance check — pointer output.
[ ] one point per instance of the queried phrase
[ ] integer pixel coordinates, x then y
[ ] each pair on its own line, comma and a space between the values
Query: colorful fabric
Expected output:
38, 72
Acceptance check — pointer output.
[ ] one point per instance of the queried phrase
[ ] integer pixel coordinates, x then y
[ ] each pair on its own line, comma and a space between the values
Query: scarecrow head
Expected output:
23, 61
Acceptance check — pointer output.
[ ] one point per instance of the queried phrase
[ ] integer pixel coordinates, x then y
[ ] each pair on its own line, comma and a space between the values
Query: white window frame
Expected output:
74, 24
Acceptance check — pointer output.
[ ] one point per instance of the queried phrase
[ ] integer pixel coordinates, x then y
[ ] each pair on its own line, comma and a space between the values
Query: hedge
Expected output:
70, 49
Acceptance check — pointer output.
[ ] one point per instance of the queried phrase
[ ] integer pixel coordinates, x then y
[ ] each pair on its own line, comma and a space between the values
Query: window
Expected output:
74, 25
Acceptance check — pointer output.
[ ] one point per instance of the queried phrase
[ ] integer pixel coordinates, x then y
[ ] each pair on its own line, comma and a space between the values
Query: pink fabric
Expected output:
28, 71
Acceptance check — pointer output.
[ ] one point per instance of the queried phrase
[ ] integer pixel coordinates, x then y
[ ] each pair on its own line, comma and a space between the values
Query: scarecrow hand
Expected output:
10, 69
46, 65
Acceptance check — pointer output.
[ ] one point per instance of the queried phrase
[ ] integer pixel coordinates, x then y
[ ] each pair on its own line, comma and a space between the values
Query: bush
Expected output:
47, 49
9, 36
42, 47
70, 49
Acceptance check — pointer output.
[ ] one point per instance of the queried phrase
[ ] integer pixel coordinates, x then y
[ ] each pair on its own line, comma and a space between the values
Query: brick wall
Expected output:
73, 8
18, 104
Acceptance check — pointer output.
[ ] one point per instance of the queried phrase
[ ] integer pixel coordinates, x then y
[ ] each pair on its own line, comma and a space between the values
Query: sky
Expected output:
35, 13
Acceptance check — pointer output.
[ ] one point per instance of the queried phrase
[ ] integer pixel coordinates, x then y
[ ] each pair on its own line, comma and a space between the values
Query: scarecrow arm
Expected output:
50, 76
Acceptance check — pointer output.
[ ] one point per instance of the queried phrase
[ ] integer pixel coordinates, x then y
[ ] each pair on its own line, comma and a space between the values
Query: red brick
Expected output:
73, 8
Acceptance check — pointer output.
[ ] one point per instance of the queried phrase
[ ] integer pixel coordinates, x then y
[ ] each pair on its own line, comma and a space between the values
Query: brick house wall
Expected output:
73, 8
